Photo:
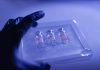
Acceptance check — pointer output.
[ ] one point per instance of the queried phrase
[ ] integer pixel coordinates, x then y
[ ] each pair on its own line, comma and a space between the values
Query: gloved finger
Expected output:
36, 67
45, 66
34, 24
29, 21
18, 20
9, 24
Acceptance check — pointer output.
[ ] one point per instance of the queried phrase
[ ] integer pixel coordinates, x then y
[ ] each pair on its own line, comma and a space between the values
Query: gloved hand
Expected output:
10, 37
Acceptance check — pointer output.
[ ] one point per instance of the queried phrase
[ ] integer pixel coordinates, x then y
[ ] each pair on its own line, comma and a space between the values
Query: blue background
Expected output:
86, 13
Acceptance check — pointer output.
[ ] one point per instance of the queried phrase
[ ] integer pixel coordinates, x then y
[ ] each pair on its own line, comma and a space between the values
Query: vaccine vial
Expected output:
51, 37
63, 36
39, 38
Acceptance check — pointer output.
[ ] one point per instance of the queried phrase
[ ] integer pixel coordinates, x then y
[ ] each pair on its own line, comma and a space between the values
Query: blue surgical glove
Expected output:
10, 37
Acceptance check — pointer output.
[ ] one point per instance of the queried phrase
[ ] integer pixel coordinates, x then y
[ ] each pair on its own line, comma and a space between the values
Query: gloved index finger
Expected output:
37, 15
28, 20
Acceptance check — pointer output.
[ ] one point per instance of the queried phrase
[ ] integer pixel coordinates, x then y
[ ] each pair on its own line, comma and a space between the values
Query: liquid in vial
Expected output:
39, 38
63, 36
51, 37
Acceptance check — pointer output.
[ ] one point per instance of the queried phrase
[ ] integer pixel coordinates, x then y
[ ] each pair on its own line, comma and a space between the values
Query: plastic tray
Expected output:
74, 47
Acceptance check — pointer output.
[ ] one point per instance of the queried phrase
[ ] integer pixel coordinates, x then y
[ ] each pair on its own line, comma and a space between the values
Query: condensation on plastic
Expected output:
55, 41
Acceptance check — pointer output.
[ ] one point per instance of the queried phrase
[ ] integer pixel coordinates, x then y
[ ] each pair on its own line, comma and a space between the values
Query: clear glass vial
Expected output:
63, 35
51, 37
39, 38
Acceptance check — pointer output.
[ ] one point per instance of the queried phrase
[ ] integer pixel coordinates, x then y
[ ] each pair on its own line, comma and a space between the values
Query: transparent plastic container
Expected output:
54, 41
